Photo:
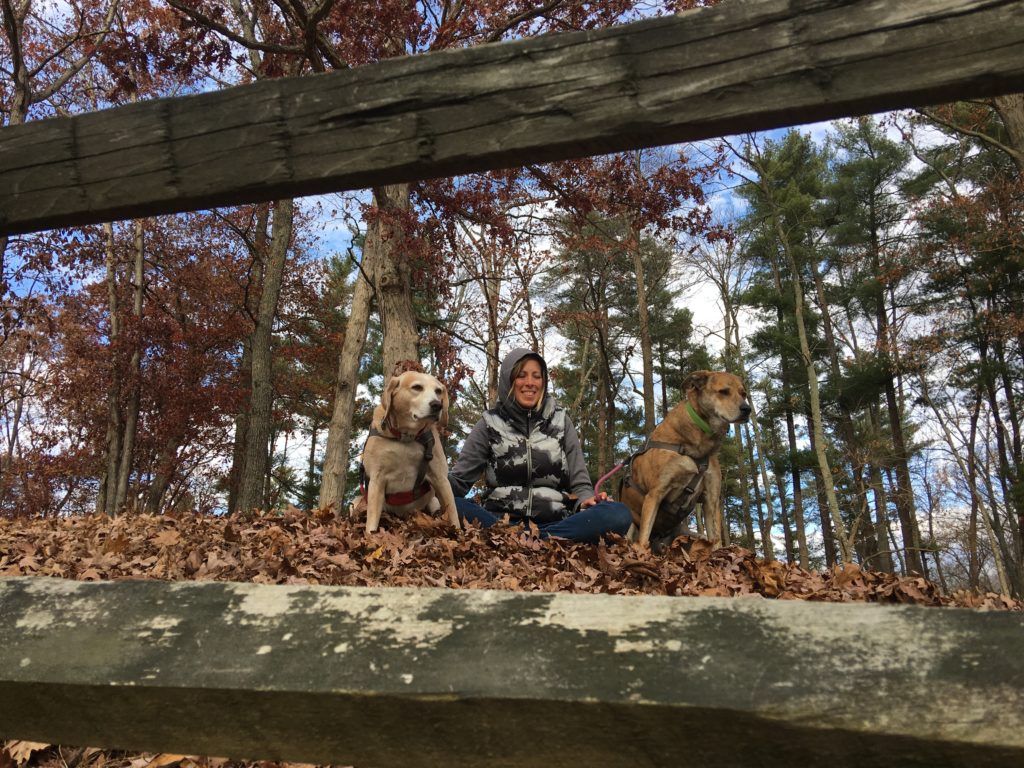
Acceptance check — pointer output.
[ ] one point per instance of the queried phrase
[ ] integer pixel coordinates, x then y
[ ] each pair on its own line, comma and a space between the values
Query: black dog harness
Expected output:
685, 500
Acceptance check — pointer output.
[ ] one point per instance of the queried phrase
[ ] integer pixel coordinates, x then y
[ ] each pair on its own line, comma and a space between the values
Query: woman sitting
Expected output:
530, 455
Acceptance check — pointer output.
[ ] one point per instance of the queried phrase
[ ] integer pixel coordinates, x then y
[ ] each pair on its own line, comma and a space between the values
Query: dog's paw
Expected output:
357, 510
679, 537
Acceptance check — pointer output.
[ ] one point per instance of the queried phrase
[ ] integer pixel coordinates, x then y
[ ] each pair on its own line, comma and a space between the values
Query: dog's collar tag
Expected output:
704, 426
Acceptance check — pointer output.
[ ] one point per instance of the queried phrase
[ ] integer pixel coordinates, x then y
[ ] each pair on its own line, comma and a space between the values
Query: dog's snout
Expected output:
745, 409
435, 406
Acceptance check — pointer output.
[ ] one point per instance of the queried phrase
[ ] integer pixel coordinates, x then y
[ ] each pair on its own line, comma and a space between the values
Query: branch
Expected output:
295, 10
76, 67
984, 138
437, 326
11, 27
534, 13
230, 34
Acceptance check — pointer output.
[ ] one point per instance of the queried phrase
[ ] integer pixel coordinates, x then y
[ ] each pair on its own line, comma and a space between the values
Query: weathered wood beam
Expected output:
431, 677
736, 67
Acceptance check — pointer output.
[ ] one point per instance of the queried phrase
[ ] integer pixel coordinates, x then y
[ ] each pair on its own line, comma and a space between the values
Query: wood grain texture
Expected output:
436, 677
737, 67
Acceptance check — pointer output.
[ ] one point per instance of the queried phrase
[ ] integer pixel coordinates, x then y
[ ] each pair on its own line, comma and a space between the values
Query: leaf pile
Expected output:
297, 548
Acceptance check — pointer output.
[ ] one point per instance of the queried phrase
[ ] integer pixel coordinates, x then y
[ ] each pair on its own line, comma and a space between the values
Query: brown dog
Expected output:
404, 466
679, 466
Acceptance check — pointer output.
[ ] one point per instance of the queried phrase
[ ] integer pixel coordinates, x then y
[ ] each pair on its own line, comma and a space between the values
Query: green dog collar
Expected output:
705, 427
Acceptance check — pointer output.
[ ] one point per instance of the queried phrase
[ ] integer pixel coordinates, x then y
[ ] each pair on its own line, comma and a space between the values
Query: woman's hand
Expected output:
602, 496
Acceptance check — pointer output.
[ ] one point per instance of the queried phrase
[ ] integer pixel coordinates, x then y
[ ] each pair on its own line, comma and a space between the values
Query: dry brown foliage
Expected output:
298, 548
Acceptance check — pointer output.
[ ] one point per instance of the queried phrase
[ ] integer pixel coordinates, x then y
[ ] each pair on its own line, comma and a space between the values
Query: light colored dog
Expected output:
679, 466
404, 466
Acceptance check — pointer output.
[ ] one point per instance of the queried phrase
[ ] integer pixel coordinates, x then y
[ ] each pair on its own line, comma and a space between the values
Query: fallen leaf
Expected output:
167, 538
21, 751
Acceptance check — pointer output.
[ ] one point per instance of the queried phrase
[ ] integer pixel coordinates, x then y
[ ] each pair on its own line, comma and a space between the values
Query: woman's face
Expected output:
529, 384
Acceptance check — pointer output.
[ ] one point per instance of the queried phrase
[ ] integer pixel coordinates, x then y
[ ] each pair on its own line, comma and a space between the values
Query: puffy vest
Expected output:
526, 471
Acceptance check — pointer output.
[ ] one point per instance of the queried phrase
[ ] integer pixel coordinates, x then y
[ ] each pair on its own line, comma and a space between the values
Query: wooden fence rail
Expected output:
425, 677
736, 67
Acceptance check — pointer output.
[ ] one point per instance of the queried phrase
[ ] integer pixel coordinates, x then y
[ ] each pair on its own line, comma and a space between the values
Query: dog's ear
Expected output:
696, 380
442, 423
389, 392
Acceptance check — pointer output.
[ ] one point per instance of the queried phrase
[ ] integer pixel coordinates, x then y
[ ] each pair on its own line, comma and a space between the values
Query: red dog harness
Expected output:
420, 487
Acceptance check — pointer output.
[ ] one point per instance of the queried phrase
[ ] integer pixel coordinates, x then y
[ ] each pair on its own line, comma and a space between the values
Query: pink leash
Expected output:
609, 473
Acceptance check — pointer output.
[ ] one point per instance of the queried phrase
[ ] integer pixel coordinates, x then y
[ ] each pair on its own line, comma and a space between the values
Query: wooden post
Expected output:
432, 677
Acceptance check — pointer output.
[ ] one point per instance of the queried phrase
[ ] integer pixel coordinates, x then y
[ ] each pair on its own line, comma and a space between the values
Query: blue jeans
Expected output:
587, 525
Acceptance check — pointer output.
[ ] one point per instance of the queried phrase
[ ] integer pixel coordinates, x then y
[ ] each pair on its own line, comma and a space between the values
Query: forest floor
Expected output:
297, 548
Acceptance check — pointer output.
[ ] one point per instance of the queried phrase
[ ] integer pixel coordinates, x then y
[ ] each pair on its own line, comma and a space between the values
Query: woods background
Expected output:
864, 280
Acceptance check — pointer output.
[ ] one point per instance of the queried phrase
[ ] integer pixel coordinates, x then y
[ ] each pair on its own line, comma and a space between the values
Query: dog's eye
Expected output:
724, 391
417, 387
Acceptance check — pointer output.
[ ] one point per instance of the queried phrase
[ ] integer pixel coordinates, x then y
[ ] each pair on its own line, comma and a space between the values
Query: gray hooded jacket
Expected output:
531, 459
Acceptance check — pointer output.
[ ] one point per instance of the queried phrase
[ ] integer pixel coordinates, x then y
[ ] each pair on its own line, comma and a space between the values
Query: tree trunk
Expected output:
763, 502
904, 490
259, 266
6, 469
135, 373
846, 426
1015, 504
787, 529
884, 560
490, 287
241, 428
733, 357
1009, 471
765, 514
904, 493
339, 433
973, 554
798, 492
163, 470
828, 536
394, 288
106, 499
257, 458
934, 505
607, 440
744, 477
1007, 387
311, 466
1011, 109
788, 386
601, 433
999, 547
645, 329
817, 431
14, 24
